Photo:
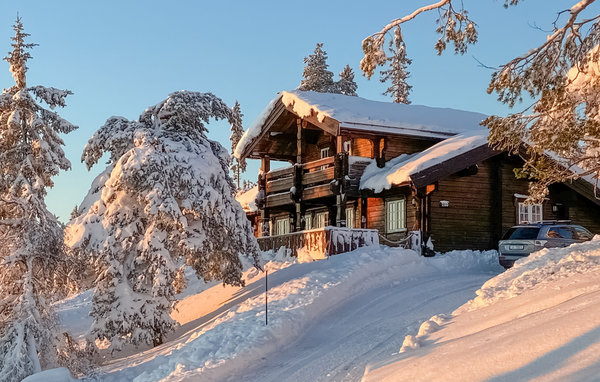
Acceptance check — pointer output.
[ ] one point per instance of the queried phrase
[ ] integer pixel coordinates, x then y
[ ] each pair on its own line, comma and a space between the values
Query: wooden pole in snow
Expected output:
266, 297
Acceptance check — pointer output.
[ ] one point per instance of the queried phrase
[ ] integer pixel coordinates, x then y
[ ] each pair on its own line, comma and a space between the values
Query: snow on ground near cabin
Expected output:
540, 321
248, 199
363, 114
400, 169
376, 294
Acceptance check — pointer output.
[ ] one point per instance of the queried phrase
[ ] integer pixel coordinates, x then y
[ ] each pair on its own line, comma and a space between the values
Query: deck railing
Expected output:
311, 180
322, 242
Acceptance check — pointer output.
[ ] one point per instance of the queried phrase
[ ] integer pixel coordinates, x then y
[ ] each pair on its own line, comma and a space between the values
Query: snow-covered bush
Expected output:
165, 199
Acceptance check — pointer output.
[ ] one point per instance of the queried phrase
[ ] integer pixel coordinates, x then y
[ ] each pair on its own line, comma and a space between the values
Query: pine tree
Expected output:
165, 198
558, 134
238, 166
31, 238
316, 76
346, 84
397, 73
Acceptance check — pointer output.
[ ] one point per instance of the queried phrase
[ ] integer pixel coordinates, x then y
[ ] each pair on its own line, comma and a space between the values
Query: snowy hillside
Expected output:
224, 336
538, 321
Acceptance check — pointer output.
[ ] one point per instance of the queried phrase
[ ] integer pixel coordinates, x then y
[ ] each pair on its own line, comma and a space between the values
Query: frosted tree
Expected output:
31, 239
397, 73
238, 166
316, 76
346, 84
166, 198
562, 123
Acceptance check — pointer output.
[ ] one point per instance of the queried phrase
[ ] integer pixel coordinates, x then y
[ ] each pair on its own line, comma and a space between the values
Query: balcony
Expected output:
312, 180
321, 242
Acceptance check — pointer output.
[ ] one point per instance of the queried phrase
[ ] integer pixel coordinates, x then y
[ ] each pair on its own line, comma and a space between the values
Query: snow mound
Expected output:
428, 327
60, 374
540, 267
410, 342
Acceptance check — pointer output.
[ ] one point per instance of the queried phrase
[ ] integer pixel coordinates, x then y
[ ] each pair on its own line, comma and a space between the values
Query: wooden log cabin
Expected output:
374, 172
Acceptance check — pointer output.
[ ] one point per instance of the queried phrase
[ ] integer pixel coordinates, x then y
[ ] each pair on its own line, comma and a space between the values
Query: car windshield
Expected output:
521, 233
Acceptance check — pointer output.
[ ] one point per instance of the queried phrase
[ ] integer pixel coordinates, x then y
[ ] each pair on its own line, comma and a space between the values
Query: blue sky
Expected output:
118, 57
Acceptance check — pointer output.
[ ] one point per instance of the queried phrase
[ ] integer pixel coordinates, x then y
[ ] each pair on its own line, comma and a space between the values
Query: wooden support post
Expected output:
265, 167
339, 146
299, 124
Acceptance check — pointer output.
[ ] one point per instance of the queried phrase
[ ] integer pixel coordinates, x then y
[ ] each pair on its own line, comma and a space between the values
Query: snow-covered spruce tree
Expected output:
316, 76
561, 76
238, 166
31, 238
346, 84
397, 74
165, 198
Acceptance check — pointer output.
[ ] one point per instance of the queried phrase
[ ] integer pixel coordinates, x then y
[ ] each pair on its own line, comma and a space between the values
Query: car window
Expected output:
582, 233
554, 233
566, 232
521, 233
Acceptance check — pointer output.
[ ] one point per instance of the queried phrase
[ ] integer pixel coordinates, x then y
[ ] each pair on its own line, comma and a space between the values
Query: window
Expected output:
282, 226
350, 217
582, 233
321, 219
529, 213
308, 221
521, 233
395, 215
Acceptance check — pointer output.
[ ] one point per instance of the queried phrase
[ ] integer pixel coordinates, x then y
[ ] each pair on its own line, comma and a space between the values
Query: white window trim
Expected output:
284, 223
325, 152
308, 221
317, 219
529, 212
402, 223
350, 217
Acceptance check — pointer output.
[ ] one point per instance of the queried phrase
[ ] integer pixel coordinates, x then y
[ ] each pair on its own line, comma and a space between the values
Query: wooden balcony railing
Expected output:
321, 242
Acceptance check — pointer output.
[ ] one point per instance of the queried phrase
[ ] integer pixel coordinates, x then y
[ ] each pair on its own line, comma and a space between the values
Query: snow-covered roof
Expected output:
248, 199
356, 113
400, 169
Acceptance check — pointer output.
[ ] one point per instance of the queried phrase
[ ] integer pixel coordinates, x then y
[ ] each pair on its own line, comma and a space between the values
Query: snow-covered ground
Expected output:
538, 321
338, 314
382, 314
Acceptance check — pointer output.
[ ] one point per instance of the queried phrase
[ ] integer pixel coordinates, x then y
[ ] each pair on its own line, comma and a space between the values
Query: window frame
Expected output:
279, 224
391, 207
527, 210
317, 219
350, 222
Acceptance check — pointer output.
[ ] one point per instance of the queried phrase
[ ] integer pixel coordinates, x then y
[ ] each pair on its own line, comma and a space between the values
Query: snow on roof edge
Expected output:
399, 170
381, 117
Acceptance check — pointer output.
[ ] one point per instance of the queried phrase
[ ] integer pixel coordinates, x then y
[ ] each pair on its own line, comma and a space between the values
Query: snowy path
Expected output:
365, 328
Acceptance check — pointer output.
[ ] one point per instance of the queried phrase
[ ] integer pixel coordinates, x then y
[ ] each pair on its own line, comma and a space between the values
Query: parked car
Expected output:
521, 240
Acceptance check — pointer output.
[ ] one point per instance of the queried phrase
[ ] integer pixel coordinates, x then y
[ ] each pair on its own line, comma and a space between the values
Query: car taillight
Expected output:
540, 243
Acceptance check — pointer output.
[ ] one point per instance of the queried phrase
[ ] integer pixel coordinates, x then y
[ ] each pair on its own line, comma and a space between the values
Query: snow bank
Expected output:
540, 320
399, 170
299, 294
540, 267
60, 374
